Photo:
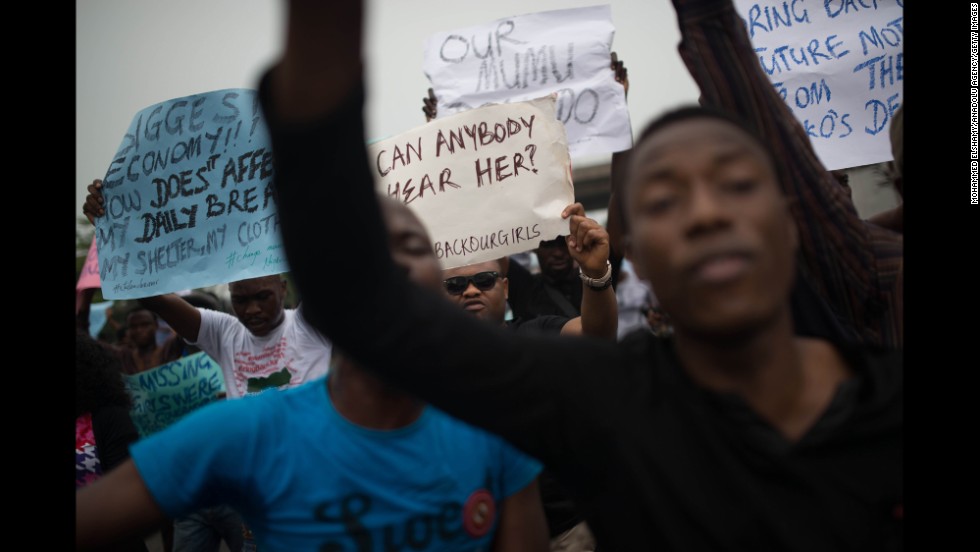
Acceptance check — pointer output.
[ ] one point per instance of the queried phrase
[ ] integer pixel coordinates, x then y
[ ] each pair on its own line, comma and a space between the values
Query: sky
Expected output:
131, 54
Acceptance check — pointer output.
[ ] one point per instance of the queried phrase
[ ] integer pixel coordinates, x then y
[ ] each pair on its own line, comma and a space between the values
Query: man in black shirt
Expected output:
735, 434
482, 289
555, 291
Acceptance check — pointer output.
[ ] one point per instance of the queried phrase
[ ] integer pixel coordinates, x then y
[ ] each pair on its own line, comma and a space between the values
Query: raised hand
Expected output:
588, 242
622, 75
430, 108
93, 206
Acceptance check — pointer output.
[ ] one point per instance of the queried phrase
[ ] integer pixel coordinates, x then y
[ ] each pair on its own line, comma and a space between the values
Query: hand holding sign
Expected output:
430, 106
514, 59
588, 242
622, 75
93, 206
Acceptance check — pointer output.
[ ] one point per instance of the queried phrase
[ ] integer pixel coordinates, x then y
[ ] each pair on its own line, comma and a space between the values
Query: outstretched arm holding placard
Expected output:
854, 266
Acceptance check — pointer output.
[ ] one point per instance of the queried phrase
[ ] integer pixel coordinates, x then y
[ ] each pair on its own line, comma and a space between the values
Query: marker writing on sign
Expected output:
492, 74
410, 192
173, 254
498, 172
769, 18
481, 134
472, 244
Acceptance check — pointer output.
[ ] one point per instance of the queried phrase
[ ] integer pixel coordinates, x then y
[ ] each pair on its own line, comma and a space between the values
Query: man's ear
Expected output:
506, 283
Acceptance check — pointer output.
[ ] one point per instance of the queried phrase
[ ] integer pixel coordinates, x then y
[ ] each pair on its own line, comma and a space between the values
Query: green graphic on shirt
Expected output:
278, 379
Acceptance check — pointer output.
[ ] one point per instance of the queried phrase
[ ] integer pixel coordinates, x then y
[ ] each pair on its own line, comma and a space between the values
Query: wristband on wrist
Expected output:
598, 284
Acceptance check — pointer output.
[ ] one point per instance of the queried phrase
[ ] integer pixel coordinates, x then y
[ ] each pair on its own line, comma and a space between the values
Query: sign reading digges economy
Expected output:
189, 198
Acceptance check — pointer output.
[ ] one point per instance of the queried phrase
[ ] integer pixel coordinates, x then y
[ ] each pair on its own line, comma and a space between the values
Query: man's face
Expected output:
411, 248
258, 303
141, 328
554, 259
489, 304
710, 228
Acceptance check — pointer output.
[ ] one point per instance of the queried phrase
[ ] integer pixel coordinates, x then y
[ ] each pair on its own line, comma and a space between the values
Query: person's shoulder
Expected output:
883, 367
542, 324
313, 390
296, 321
247, 414
213, 317
473, 440
876, 383
642, 341
275, 403
460, 433
867, 357
648, 359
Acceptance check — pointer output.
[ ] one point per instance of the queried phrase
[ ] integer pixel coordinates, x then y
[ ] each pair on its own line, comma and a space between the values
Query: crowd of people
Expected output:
755, 402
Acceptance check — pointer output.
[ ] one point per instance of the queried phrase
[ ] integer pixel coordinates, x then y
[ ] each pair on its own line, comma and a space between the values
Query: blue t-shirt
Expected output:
304, 478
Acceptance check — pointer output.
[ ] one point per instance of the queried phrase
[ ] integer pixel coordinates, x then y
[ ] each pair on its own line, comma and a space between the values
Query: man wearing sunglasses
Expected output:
482, 289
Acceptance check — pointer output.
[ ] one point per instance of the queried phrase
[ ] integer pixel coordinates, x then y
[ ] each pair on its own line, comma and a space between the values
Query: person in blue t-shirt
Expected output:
342, 463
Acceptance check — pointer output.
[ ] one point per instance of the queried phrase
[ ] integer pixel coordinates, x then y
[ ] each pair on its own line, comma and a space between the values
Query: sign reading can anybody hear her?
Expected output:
487, 183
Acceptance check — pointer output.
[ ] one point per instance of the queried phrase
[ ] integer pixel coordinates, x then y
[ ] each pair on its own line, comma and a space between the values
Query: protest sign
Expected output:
486, 183
529, 56
97, 317
89, 278
189, 198
163, 395
838, 65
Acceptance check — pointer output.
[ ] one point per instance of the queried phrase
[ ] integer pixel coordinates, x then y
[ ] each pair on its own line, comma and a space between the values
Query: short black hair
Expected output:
702, 112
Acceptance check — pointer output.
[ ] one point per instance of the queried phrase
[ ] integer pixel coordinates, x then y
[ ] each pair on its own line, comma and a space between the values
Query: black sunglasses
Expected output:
482, 280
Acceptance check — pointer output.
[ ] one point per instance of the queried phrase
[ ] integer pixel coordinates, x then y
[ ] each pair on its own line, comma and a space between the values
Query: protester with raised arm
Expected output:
736, 433
482, 288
